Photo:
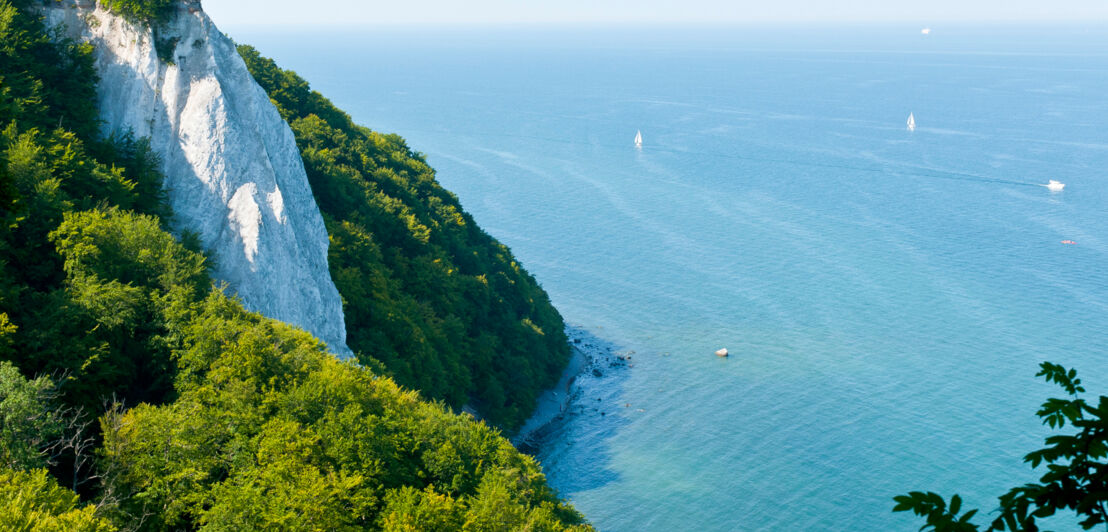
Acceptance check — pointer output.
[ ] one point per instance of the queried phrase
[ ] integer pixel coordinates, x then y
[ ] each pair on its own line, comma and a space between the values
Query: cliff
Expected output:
232, 169
185, 410
430, 298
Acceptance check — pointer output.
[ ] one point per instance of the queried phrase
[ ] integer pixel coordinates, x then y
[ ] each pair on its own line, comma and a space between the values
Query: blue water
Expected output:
887, 296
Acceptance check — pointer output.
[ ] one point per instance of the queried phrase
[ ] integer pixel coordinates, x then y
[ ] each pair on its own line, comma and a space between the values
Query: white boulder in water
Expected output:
232, 169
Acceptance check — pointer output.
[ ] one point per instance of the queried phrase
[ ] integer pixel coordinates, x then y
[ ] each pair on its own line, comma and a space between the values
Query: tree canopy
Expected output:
33, 501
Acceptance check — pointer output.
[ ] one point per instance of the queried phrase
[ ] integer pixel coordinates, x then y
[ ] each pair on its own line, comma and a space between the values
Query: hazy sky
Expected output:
246, 12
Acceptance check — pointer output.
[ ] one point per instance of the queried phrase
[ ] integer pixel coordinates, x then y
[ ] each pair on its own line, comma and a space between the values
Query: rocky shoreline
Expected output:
592, 358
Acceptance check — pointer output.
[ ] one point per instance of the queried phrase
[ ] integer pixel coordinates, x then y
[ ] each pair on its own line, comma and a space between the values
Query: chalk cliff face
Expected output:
232, 168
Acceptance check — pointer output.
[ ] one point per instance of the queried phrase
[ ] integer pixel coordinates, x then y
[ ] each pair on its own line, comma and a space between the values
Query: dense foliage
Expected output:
27, 424
128, 380
68, 324
32, 500
1076, 479
145, 11
427, 293
271, 432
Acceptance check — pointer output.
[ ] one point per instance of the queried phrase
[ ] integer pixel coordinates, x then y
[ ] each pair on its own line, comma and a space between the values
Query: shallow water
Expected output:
886, 295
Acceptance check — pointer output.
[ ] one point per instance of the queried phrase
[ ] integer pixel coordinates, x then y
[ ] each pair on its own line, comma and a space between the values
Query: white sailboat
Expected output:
638, 139
911, 121
1055, 186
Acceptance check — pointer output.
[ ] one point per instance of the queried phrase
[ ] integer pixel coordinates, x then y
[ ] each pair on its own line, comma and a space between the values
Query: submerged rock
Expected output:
232, 169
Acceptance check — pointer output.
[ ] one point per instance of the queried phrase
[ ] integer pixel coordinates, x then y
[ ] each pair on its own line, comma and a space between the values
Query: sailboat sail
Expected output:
638, 139
911, 121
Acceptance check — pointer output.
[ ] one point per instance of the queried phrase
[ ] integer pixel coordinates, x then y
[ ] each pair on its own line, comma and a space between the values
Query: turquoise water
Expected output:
886, 295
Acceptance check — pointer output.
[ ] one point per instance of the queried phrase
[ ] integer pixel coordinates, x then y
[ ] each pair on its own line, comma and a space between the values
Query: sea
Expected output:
886, 295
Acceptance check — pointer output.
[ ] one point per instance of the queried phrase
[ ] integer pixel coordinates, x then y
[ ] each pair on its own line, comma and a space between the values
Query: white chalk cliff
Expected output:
232, 169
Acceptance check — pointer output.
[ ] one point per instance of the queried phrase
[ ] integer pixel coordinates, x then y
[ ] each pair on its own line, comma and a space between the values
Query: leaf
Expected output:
936, 500
904, 503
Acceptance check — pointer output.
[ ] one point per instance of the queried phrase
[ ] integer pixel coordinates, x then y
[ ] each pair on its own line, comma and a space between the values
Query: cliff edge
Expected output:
232, 169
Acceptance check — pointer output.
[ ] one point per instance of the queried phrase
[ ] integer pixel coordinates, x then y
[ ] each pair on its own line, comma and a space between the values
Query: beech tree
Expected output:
27, 425
32, 500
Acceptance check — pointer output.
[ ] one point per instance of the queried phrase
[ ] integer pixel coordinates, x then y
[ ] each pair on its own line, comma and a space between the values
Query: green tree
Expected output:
31, 501
44, 82
28, 424
143, 11
112, 325
410, 510
7, 331
1077, 470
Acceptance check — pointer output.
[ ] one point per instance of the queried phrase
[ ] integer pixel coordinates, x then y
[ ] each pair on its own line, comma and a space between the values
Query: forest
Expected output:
136, 394
429, 297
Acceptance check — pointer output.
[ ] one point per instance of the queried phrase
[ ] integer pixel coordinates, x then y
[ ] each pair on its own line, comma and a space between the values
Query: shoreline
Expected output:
591, 359
553, 403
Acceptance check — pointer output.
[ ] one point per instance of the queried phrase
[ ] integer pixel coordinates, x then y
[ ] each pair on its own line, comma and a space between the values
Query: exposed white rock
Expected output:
232, 169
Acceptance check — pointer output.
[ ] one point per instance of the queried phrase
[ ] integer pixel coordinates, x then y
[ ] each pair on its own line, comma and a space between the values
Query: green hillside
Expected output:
135, 395
428, 295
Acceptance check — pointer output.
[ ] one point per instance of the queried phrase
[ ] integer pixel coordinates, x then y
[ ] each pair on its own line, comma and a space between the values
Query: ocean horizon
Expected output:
886, 295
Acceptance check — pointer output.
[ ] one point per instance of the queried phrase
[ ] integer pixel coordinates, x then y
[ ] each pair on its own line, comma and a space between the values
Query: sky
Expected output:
471, 12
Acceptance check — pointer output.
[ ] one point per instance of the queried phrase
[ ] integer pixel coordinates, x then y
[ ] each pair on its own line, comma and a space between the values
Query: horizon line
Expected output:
745, 24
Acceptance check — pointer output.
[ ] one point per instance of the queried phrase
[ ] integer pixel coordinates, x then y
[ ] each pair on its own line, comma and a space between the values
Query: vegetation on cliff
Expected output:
135, 395
142, 11
428, 295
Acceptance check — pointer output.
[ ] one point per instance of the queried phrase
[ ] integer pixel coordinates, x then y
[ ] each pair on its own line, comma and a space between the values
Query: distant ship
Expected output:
911, 122
925, 31
1055, 186
638, 139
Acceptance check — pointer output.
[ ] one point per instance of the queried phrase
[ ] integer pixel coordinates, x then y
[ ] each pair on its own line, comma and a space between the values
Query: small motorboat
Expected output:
1055, 186
722, 353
